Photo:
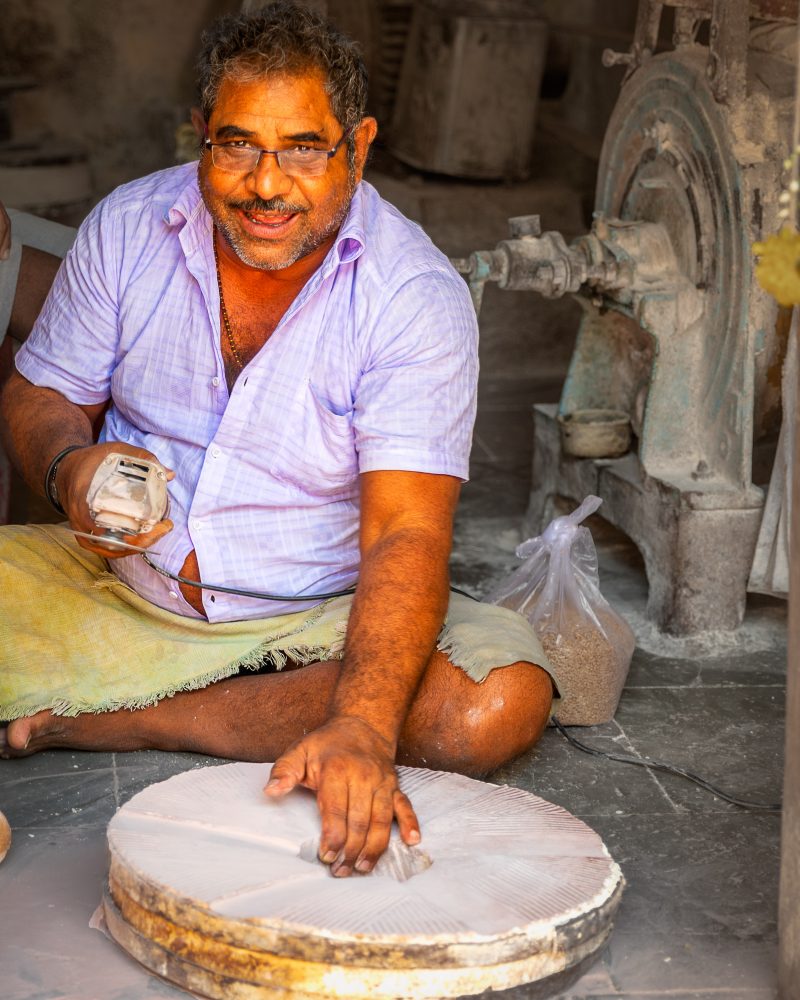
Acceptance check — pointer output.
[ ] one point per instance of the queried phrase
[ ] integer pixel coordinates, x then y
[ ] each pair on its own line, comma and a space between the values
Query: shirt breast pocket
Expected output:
320, 456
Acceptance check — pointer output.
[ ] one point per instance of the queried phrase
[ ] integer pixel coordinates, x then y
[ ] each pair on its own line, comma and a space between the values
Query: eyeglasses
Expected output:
298, 161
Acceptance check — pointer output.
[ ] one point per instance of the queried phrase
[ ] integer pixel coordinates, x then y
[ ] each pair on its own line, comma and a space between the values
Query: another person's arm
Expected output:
37, 270
5, 233
32, 272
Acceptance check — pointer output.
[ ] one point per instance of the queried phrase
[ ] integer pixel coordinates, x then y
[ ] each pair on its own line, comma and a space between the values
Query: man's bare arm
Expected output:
398, 610
37, 423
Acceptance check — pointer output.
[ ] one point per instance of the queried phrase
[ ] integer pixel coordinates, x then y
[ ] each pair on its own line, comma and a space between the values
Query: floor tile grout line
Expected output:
703, 687
651, 773
27, 778
116, 779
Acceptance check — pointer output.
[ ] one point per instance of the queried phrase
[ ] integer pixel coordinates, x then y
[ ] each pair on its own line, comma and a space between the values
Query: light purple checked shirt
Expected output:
373, 366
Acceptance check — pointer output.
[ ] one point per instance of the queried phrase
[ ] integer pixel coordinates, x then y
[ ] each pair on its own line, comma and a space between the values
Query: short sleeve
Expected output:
72, 347
415, 404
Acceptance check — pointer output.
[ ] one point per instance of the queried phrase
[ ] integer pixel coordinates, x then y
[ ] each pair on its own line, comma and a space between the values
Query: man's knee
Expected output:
474, 728
509, 713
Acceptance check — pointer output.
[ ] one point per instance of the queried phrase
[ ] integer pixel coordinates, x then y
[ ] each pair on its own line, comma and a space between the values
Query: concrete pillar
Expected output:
789, 905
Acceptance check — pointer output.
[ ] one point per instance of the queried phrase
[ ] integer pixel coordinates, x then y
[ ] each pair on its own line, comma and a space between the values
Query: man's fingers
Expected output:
380, 829
359, 820
110, 551
333, 797
96, 547
288, 771
155, 534
349, 766
406, 818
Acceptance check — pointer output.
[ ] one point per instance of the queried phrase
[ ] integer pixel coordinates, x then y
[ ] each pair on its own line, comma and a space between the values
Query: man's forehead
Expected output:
287, 104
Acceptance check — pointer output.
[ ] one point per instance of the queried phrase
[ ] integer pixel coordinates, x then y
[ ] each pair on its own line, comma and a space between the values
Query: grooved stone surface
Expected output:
508, 888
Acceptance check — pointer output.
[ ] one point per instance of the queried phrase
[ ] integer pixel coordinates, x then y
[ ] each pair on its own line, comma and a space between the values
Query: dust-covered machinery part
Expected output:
5, 836
676, 331
219, 889
695, 371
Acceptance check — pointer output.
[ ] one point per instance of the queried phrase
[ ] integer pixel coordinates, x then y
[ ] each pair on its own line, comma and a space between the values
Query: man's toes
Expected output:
21, 735
18, 734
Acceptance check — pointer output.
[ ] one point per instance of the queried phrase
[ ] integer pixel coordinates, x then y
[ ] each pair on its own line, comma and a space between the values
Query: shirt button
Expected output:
197, 524
215, 381
173, 593
215, 452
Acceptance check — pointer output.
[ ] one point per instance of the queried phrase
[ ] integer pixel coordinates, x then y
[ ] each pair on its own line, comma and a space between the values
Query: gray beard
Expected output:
307, 246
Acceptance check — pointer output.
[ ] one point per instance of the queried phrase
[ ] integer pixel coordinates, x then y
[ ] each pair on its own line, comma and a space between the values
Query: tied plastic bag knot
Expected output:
561, 529
557, 588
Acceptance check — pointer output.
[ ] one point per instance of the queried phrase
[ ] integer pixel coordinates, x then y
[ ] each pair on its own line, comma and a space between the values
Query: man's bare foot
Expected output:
45, 731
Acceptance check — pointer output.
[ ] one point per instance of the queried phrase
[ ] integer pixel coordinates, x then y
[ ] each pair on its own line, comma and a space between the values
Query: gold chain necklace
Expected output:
225, 321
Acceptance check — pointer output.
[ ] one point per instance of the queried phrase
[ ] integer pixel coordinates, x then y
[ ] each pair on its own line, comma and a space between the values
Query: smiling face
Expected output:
272, 221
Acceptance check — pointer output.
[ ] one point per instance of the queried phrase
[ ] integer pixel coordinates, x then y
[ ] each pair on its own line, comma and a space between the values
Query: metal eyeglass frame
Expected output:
280, 155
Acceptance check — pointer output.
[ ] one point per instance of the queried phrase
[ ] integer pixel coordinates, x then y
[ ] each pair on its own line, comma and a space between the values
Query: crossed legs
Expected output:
454, 723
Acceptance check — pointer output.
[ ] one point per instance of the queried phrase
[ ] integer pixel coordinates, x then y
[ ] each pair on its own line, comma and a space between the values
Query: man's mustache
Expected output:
278, 206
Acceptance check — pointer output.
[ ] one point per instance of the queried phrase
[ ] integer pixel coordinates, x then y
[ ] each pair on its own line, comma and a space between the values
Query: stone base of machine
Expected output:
697, 559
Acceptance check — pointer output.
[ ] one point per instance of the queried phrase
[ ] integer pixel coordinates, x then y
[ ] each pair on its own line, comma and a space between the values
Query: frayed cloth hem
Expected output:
254, 660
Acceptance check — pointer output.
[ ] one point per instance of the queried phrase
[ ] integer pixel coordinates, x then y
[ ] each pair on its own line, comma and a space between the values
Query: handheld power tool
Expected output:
127, 496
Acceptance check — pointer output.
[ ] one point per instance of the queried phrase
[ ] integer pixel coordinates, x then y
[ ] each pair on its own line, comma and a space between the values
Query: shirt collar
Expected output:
189, 212
351, 240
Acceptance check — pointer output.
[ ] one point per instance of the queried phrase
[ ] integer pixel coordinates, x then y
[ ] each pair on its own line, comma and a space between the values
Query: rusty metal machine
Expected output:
676, 335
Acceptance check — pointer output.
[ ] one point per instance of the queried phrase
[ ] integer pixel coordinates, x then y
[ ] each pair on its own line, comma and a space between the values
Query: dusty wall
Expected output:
115, 76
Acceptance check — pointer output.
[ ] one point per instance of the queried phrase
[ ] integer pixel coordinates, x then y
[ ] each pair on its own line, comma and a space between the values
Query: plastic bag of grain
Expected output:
557, 589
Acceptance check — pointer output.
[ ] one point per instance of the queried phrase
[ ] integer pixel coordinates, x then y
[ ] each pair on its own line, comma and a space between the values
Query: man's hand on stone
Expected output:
351, 768
75, 473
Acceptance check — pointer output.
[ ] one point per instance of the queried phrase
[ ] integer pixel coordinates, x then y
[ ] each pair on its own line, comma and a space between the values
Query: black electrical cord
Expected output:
258, 595
242, 593
655, 765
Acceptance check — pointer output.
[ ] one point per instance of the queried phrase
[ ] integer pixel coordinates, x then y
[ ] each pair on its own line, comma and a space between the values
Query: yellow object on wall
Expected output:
778, 268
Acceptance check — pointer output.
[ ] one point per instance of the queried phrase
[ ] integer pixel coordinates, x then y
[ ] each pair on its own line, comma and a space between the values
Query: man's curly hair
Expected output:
283, 37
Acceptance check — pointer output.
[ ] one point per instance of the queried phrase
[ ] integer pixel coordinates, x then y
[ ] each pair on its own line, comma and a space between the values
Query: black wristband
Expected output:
50, 490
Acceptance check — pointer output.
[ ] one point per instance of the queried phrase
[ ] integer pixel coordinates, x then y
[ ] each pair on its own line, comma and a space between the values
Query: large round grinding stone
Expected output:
218, 889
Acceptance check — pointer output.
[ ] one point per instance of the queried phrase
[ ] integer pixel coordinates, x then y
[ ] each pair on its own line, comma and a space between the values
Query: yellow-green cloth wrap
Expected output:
74, 639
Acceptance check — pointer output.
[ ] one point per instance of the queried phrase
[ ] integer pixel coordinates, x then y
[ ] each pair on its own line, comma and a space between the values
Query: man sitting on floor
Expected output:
303, 361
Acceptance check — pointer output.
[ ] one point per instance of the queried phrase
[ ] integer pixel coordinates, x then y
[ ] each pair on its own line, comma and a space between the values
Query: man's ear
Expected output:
363, 137
199, 122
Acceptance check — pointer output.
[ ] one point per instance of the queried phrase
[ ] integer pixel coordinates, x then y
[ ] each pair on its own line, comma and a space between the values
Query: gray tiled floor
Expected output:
698, 916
